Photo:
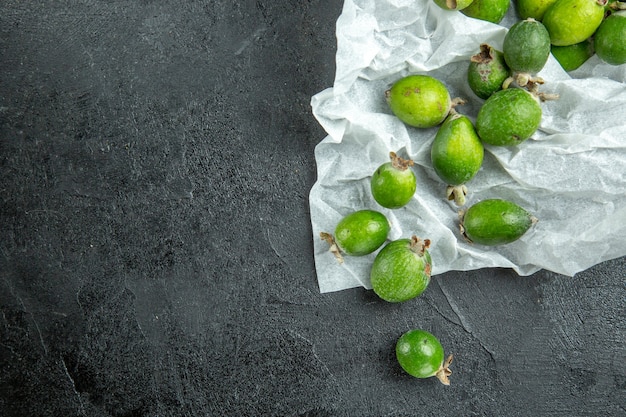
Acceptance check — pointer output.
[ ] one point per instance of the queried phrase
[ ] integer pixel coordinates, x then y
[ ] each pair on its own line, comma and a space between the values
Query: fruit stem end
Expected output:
548, 96
457, 193
334, 249
462, 228
484, 56
457, 101
444, 371
400, 163
418, 245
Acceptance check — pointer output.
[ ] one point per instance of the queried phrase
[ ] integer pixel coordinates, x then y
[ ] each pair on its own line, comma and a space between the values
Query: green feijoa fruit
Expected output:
421, 355
457, 155
419, 100
572, 21
573, 56
359, 233
401, 270
526, 46
495, 222
453, 4
508, 117
487, 71
610, 39
488, 10
393, 183
533, 8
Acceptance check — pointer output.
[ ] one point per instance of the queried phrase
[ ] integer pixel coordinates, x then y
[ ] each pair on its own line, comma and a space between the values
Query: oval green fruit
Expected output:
533, 8
401, 270
457, 155
572, 21
453, 4
526, 46
495, 222
572, 57
488, 10
487, 71
508, 117
357, 234
393, 183
610, 39
419, 100
421, 355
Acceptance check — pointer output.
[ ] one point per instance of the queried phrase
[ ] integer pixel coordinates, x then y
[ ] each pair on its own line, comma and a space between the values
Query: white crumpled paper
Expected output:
571, 174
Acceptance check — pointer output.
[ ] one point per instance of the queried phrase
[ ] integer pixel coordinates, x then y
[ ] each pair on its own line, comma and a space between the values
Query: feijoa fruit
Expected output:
487, 71
393, 183
573, 56
508, 117
421, 355
533, 8
419, 100
359, 233
610, 39
401, 270
495, 222
488, 10
457, 155
572, 21
453, 4
526, 46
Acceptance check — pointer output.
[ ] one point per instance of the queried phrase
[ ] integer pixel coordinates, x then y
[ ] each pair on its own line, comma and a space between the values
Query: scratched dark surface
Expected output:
156, 249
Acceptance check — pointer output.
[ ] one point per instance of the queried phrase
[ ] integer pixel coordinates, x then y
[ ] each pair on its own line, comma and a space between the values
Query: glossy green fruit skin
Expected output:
610, 39
457, 152
392, 187
488, 10
495, 222
419, 353
453, 4
361, 232
526, 46
399, 274
487, 72
419, 100
533, 8
572, 57
508, 117
572, 21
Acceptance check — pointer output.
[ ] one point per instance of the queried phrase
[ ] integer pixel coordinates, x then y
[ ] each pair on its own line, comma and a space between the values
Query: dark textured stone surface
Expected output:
156, 255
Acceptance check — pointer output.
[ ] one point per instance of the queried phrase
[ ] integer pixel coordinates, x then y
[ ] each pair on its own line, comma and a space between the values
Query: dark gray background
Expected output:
156, 248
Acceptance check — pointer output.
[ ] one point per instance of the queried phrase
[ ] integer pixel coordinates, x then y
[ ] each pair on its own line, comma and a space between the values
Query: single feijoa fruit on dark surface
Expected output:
533, 8
526, 46
572, 57
495, 222
419, 100
457, 155
508, 117
421, 355
610, 39
401, 270
359, 233
488, 10
487, 71
573, 21
393, 183
453, 4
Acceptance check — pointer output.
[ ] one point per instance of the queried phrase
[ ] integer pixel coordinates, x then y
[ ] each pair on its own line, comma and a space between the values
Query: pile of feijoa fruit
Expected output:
578, 29
511, 100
